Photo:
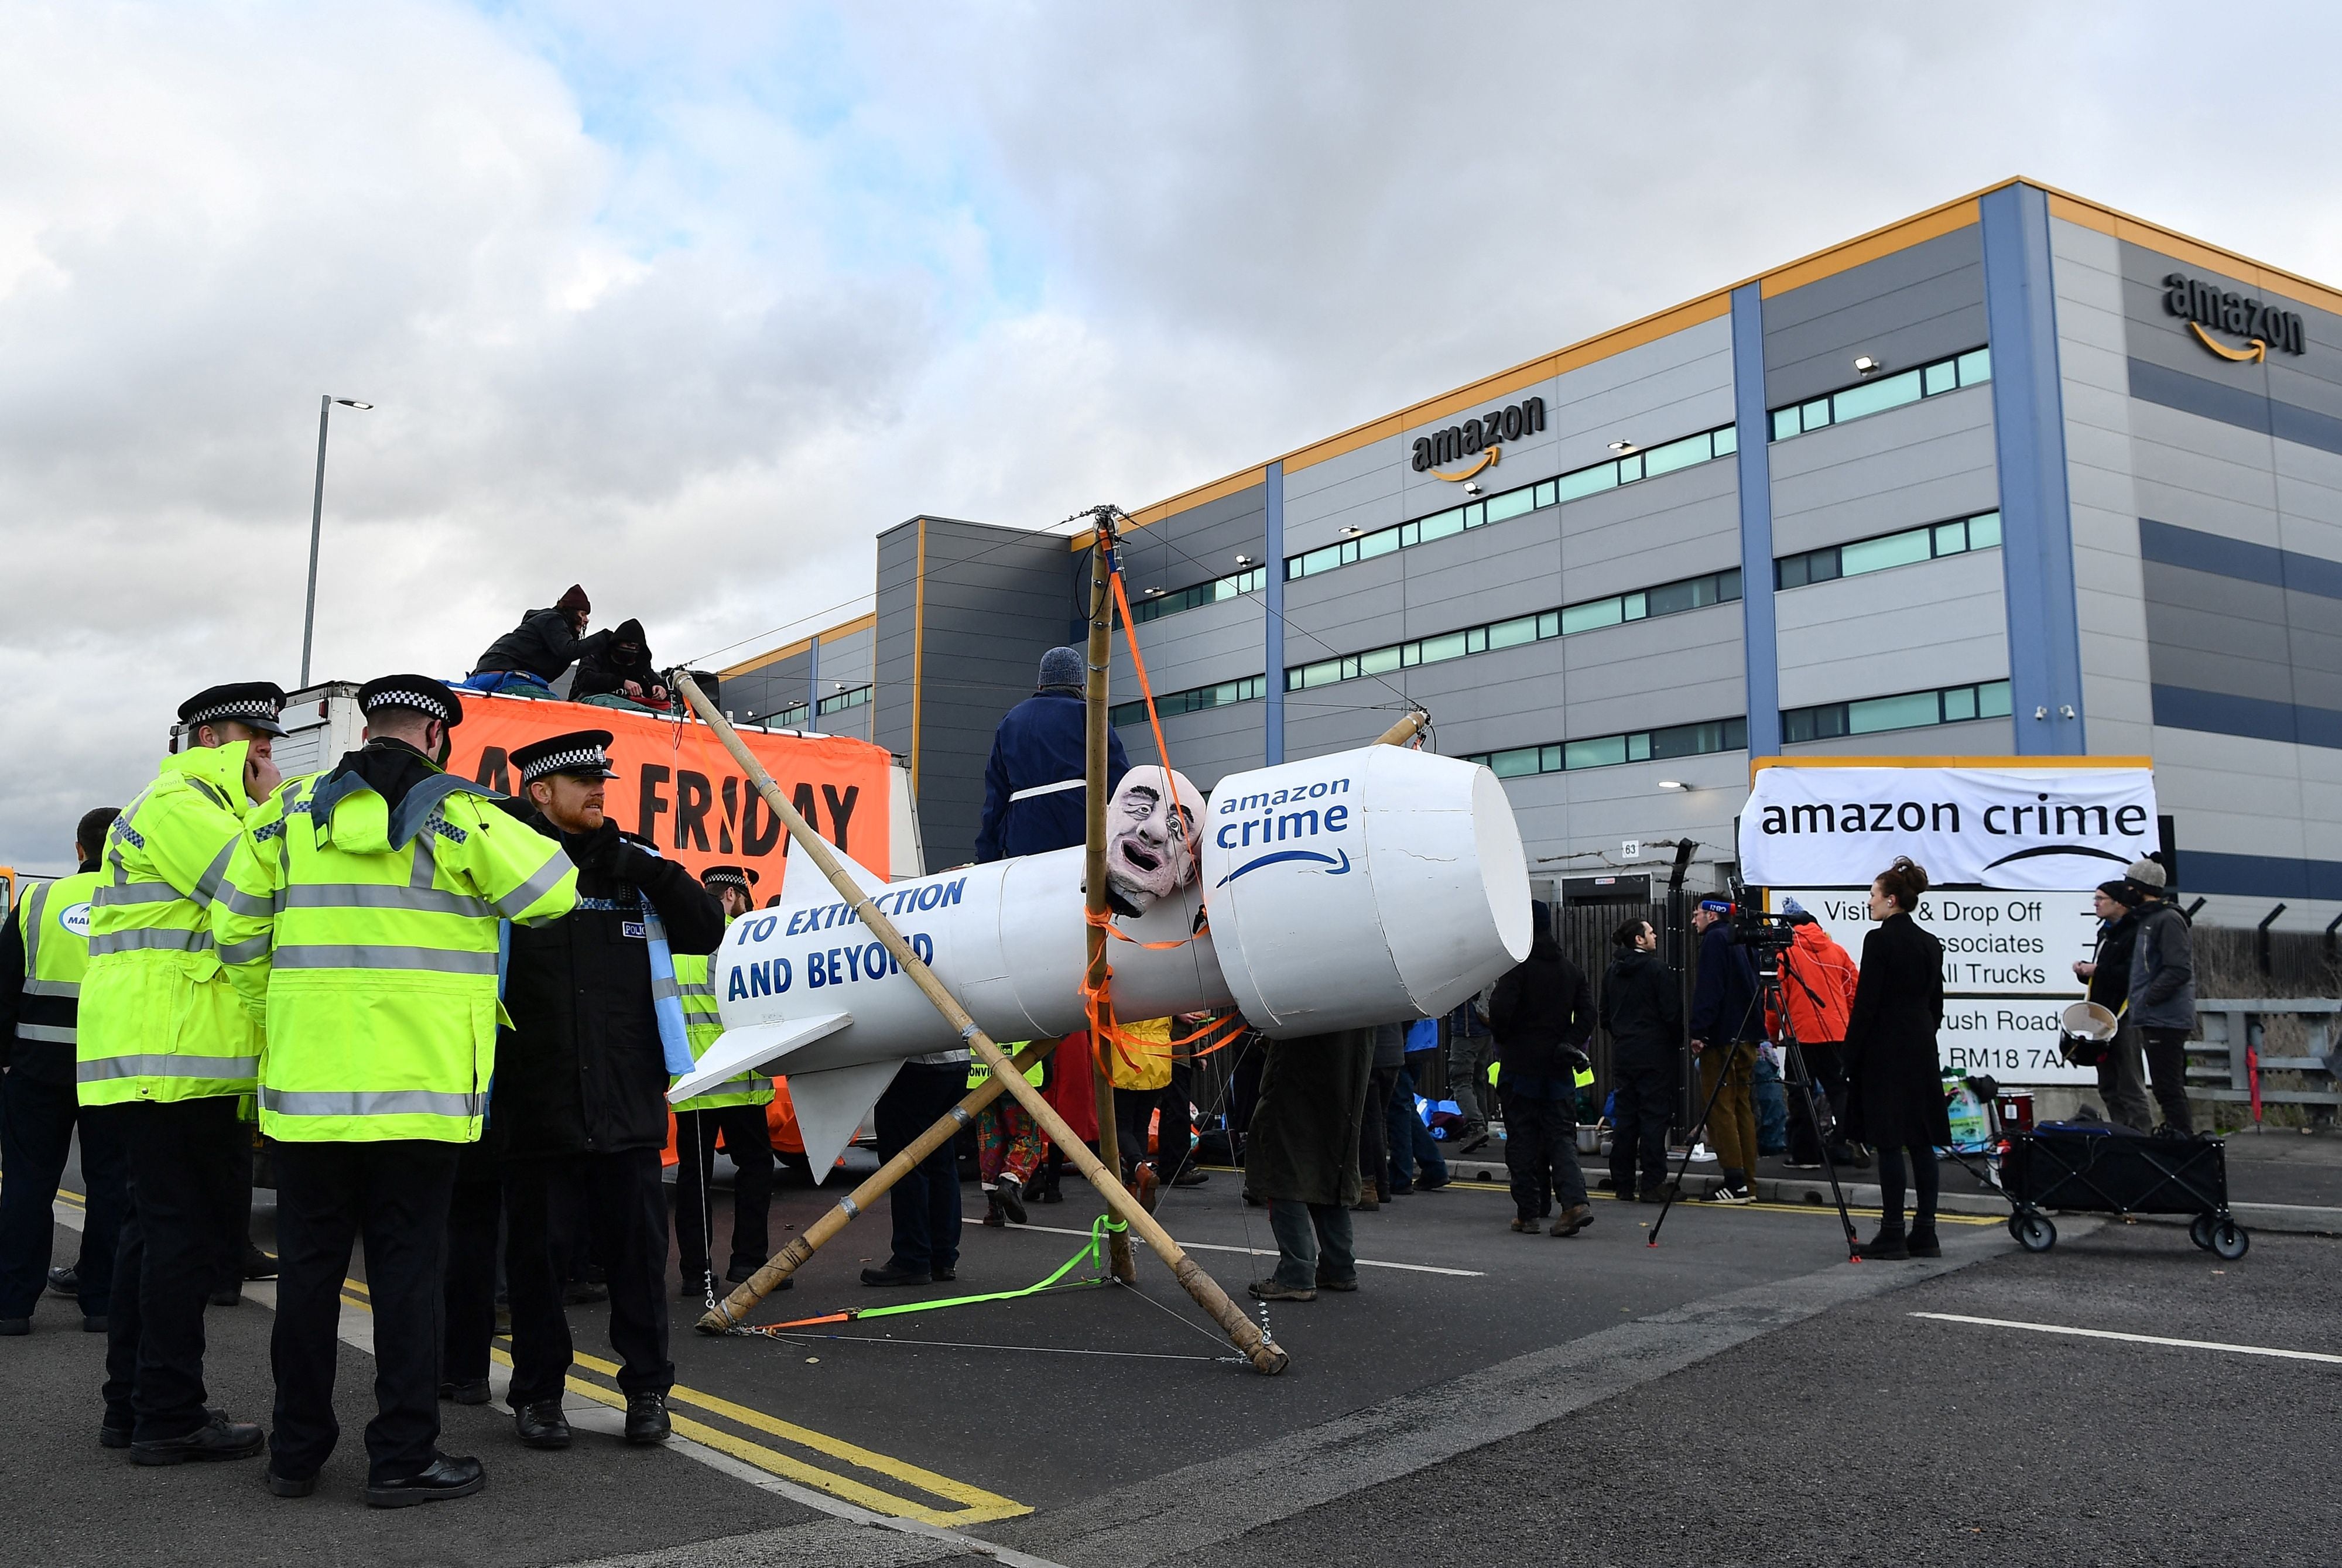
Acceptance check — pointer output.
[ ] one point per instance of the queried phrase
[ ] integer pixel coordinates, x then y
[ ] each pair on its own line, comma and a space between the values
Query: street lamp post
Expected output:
317, 524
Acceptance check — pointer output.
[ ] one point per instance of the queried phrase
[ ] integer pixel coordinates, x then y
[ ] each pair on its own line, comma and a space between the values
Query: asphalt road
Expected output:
1488, 1388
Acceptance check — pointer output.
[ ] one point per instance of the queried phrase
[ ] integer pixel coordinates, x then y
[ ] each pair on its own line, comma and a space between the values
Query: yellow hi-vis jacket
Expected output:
158, 1019
369, 948
52, 918
702, 1023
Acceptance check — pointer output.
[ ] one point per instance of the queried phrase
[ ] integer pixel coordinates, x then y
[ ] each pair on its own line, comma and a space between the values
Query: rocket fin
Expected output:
737, 1051
830, 1105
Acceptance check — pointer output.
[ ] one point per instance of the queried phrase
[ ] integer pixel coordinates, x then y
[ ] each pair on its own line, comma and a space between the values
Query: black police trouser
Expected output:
625, 1202
1642, 1104
1541, 1154
393, 1195
2166, 1071
747, 1138
474, 1213
37, 1130
181, 1154
925, 1203
235, 1227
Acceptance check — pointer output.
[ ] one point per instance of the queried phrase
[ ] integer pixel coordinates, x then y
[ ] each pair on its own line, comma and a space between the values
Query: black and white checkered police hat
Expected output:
252, 702
419, 692
582, 752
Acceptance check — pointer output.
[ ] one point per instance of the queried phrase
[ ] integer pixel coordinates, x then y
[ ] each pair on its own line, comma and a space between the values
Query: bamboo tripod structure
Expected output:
1265, 1357
1094, 750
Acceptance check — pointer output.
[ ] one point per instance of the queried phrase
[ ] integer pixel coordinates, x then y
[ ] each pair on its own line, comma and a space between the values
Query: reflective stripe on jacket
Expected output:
372, 964
159, 1020
703, 1022
52, 918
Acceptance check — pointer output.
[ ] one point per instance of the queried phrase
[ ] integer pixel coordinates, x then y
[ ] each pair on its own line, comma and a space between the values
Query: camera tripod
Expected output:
1769, 996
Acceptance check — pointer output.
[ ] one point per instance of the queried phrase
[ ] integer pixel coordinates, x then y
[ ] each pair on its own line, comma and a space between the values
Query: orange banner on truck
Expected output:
679, 788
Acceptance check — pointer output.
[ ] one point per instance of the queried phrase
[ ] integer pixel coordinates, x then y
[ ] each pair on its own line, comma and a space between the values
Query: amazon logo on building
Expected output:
2207, 308
1479, 438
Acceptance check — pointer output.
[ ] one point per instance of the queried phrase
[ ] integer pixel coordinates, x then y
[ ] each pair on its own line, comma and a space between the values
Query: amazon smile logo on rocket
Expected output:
1280, 817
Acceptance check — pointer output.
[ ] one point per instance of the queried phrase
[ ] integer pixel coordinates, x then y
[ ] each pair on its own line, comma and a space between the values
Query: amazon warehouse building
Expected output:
2020, 475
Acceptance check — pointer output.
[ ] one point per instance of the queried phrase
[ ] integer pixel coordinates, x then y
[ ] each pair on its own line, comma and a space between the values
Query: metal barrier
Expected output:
2229, 1027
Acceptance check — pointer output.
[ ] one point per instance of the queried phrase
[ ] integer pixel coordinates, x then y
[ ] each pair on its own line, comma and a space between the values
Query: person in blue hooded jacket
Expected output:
1033, 794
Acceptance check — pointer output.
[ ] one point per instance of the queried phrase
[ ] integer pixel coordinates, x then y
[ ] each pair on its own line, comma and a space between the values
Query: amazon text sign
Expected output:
2013, 829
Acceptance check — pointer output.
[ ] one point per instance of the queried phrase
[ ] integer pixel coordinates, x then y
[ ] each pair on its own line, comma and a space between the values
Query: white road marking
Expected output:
1271, 1252
2135, 1338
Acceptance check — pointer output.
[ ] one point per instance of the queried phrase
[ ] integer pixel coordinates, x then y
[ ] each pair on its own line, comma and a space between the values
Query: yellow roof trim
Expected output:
2106, 220
1880, 242
844, 628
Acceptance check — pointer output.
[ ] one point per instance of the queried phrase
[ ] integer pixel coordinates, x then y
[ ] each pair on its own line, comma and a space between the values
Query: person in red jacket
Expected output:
1817, 980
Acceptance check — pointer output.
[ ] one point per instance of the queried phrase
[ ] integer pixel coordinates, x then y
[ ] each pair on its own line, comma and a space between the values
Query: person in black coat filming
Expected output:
1895, 1087
1543, 1015
580, 1094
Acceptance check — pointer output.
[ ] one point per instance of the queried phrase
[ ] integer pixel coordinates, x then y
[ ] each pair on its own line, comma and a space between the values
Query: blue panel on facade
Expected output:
1273, 623
1754, 434
2258, 876
2045, 643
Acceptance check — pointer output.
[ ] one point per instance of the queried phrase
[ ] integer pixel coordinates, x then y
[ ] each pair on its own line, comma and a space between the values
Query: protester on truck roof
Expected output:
620, 671
527, 660
1033, 785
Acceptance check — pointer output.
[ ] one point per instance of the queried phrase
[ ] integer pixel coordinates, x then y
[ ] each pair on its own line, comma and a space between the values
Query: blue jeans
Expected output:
1312, 1239
510, 682
1411, 1143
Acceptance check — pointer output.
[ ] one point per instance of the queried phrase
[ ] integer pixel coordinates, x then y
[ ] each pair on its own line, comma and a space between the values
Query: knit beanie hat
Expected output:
574, 601
2147, 873
1064, 667
2122, 891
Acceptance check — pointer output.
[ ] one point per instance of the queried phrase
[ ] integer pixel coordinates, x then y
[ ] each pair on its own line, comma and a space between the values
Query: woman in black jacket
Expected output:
2122, 1071
1895, 1086
1642, 1007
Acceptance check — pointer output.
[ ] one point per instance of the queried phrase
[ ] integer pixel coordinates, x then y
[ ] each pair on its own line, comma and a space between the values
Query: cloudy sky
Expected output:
689, 310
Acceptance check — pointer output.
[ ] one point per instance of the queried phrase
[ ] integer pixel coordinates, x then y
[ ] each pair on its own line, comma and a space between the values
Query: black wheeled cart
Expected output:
2092, 1168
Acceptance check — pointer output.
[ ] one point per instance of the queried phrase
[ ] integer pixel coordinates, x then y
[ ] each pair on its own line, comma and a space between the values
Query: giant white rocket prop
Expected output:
1365, 887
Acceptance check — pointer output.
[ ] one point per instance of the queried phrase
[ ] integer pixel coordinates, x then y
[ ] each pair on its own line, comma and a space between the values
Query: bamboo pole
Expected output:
1094, 735
1265, 1356
735, 1308
1404, 732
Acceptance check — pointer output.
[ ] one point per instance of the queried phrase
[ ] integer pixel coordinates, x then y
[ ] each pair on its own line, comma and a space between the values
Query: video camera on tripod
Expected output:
1765, 934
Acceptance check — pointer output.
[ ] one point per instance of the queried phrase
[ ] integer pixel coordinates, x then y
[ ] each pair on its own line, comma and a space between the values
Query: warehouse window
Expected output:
1211, 593
1574, 485
1610, 751
1666, 599
1882, 393
794, 717
1935, 540
839, 702
1194, 699
1904, 711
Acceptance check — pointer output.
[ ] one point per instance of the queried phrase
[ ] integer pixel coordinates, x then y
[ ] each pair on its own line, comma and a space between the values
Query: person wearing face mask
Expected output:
1894, 1095
526, 661
582, 1074
620, 672
360, 925
162, 1046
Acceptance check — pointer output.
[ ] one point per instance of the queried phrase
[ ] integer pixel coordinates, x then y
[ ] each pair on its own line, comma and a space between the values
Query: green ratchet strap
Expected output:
1093, 1250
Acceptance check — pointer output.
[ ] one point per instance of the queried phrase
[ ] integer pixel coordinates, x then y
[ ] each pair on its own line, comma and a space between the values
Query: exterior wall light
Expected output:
1622, 447
1865, 365
1675, 784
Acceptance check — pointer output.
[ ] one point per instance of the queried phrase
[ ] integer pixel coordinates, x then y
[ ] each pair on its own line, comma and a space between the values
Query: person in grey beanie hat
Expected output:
2163, 992
1032, 796
1062, 669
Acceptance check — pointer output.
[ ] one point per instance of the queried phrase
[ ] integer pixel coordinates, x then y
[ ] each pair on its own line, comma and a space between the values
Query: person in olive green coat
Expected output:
1301, 1158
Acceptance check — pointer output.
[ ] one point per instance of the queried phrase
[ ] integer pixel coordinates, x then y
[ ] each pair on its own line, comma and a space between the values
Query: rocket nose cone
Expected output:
1504, 864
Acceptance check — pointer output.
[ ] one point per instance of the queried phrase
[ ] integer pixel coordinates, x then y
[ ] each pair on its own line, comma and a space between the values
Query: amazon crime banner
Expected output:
679, 788
2013, 828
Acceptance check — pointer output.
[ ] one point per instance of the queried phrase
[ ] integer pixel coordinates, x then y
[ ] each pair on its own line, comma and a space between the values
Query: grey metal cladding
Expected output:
1678, 526
1205, 745
1325, 721
1197, 546
893, 650
2211, 593
1357, 606
1922, 463
1466, 579
1905, 309
2167, 342
997, 598
1202, 646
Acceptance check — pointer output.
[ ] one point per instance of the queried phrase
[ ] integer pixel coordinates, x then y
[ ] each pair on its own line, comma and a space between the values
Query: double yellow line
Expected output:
946, 1502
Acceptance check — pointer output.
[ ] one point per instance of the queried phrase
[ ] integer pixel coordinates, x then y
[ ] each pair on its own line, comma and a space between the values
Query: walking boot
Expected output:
1887, 1246
1923, 1243
994, 1220
1573, 1219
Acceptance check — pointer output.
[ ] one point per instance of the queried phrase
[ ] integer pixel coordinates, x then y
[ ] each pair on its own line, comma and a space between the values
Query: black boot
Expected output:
1923, 1243
542, 1424
646, 1418
1011, 1193
1887, 1246
217, 1438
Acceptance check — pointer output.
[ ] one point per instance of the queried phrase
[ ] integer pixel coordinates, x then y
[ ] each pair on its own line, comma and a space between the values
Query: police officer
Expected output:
43, 951
360, 923
735, 1107
161, 1040
581, 1089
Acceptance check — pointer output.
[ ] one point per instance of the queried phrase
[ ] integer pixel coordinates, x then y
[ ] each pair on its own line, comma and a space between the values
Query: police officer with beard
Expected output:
581, 1084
